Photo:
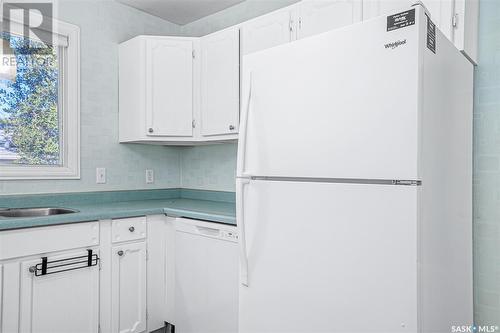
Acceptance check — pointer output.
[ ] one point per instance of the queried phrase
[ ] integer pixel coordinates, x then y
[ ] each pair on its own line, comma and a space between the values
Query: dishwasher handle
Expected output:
207, 231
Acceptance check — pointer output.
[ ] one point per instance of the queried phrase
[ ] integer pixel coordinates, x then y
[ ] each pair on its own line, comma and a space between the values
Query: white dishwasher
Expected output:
206, 277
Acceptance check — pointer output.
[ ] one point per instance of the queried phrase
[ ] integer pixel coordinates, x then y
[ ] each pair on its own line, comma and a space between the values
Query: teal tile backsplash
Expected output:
487, 168
209, 167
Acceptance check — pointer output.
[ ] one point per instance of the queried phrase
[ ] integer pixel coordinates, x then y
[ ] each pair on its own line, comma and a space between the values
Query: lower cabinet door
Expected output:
59, 302
129, 288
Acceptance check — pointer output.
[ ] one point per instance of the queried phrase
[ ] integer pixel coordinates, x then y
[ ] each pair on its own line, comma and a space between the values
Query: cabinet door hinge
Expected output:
147, 255
193, 123
291, 26
193, 53
99, 328
454, 20
147, 314
300, 23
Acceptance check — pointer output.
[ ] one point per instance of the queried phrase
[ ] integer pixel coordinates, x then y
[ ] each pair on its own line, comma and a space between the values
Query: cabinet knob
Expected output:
32, 269
231, 127
120, 253
131, 229
150, 130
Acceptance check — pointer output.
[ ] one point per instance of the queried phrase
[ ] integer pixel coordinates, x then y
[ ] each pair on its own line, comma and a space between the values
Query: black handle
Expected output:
73, 263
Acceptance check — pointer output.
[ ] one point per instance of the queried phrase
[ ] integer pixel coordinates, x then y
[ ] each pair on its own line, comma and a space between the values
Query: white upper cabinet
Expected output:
466, 27
166, 99
317, 16
169, 87
266, 31
220, 77
307, 18
457, 19
156, 89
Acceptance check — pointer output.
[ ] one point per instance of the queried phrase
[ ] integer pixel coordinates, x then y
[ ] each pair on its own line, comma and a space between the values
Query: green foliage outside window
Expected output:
29, 106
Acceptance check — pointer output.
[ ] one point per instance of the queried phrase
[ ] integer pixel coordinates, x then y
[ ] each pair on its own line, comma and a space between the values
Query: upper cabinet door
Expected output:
266, 31
466, 27
316, 16
220, 83
169, 87
441, 12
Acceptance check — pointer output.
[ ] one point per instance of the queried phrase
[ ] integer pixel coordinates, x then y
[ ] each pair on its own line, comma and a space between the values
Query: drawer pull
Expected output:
131, 229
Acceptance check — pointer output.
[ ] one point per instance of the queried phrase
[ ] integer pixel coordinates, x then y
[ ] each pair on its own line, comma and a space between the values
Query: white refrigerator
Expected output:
354, 182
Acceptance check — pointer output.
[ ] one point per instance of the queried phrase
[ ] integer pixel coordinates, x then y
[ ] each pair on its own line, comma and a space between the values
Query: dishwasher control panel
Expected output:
214, 230
229, 235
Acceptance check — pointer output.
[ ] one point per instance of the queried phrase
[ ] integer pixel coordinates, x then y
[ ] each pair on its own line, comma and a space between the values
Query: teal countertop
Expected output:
204, 205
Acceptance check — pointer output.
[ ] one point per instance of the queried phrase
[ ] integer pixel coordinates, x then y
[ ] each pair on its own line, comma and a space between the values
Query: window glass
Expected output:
30, 116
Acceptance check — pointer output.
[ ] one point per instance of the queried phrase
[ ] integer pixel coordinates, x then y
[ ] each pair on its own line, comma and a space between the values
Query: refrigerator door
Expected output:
342, 104
326, 257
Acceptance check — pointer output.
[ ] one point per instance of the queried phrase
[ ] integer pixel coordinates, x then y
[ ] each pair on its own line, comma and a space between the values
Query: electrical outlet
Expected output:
150, 176
100, 175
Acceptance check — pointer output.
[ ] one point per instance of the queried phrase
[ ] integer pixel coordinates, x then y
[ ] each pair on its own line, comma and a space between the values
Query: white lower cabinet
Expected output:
133, 296
112, 295
57, 297
61, 301
128, 285
126, 275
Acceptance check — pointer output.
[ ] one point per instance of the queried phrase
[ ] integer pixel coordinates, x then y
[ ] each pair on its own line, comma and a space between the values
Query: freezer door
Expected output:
326, 257
343, 104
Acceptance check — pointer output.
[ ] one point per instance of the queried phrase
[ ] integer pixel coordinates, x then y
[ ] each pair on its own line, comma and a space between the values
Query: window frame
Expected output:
70, 148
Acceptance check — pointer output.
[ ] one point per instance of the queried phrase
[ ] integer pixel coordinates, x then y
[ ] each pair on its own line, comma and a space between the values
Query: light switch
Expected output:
150, 176
100, 175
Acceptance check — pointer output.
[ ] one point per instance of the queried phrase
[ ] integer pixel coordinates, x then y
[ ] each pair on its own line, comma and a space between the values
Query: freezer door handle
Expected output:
240, 222
240, 166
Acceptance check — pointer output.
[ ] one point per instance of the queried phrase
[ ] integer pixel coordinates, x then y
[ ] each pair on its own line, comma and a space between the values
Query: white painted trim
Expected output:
71, 117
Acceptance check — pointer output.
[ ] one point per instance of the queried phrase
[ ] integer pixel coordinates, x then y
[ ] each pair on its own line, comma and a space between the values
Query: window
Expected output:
39, 104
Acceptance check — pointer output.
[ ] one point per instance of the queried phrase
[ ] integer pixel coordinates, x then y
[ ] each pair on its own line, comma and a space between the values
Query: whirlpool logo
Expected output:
395, 44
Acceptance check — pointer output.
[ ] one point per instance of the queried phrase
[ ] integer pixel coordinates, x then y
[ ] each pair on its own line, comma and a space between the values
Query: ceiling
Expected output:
181, 11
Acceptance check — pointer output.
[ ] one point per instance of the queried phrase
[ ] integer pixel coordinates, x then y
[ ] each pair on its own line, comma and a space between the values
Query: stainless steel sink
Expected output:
34, 212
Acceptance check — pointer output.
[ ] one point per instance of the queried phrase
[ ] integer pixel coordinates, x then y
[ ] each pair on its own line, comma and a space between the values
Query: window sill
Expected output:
42, 172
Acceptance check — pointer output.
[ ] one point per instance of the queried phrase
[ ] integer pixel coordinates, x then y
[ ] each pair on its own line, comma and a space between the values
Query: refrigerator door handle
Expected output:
240, 222
240, 168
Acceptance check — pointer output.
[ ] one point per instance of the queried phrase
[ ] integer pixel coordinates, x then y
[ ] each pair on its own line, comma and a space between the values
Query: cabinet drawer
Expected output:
128, 229
30, 241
